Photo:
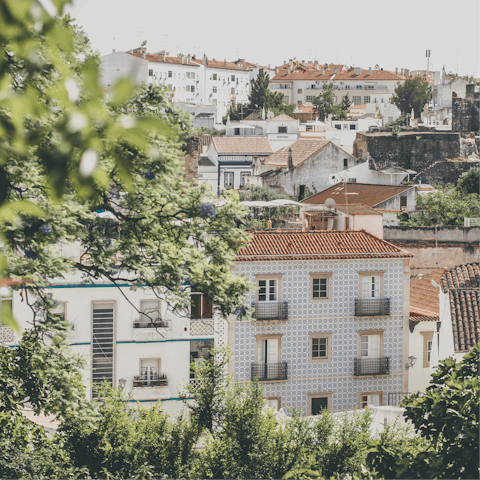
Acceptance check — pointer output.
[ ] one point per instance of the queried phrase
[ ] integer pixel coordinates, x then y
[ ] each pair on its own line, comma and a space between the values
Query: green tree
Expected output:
446, 206
414, 93
325, 104
469, 182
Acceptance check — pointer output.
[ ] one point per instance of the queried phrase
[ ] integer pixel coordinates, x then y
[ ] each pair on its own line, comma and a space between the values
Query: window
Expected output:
274, 402
232, 91
214, 76
169, 74
192, 75
170, 86
214, 89
103, 352
318, 402
150, 72
201, 307
352, 126
338, 126
365, 399
310, 98
188, 74
345, 162
236, 131
299, 102
232, 78
299, 90
286, 99
268, 290
228, 180
371, 344
366, 99
188, 88
320, 347
359, 87
150, 311
149, 369
371, 285
320, 283
268, 355
427, 347
403, 202
357, 100
192, 88
243, 175
282, 129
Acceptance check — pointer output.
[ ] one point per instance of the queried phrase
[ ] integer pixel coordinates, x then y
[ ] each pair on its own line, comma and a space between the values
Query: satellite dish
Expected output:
144, 43
330, 203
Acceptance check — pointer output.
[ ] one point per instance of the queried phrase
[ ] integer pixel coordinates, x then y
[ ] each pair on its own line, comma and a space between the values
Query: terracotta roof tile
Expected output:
224, 65
462, 284
301, 151
253, 116
243, 145
363, 193
357, 209
424, 302
283, 118
317, 245
159, 58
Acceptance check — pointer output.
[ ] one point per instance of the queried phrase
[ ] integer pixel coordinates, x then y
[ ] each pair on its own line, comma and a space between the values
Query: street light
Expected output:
411, 362
122, 382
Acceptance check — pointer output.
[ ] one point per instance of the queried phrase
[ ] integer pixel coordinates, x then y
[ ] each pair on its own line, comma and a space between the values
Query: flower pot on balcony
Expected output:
139, 383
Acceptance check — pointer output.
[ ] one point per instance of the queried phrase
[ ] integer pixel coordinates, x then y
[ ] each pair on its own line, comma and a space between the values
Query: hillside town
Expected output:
188, 240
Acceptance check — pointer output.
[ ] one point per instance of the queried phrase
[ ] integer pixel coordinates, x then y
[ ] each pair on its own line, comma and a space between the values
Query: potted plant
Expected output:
163, 380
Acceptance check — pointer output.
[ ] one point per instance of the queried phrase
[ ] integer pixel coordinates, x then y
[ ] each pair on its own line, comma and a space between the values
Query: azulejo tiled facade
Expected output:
335, 316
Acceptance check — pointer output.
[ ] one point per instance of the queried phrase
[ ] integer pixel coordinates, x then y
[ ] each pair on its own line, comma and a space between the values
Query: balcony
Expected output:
155, 324
371, 366
148, 381
269, 371
270, 311
372, 307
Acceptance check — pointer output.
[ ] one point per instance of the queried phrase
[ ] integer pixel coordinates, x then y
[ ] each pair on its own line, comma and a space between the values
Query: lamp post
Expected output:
121, 383
411, 362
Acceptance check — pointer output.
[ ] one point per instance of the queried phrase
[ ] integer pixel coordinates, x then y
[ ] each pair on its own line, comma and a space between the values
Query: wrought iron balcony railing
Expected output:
145, 381
371, 366
370, 307
269, 371
270, 310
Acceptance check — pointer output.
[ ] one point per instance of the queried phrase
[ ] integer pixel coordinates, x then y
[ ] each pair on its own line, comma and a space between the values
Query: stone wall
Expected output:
412, 150
465, 114
443, 233
444, 173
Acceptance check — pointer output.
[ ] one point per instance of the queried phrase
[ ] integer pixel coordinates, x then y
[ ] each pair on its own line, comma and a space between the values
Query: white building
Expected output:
131, 335
191, 80
301, 82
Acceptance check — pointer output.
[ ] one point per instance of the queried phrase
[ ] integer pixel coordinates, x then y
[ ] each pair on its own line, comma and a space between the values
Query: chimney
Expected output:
113, 51
401, 72
369, 70
396, 70
144, 54
335, 71
290, 62
357, 70
164, 56
268, 66
224, 62
289, 70
189, 58
323, 71
276, 70
290, 159
407, 72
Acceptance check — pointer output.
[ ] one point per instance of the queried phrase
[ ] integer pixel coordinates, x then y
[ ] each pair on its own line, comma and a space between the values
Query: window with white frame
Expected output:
232, 91
371, 344
149, 369
150, 311
317, 402
429, 350
214, 76
268, 290
150, 72
60, 310
282, 129
352, 126
320, 286
357, 100
192, 75
299, 90
228, 179
366, 99
243, 176
169, 74
233, 78
427, 347
366, 399
188, 88
320, 347
192, 88
371, 285
214, 89
310, 98
274, 402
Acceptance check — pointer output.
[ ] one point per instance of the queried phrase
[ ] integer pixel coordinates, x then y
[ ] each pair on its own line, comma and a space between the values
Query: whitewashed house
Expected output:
458, 329
132, 337
332, 312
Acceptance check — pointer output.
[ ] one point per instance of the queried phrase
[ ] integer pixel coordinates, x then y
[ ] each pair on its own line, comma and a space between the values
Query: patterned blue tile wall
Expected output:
336, 317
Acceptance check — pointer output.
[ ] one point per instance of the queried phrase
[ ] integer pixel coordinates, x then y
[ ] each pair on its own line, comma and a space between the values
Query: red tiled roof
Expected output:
357, 209
317, 245
159, 58
299, 72
243, 145
424, 302
301, 151
217, 64
363, 193
283, 118
462, 284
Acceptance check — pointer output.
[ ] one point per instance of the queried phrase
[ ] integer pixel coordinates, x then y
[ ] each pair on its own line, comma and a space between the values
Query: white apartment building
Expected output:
193, 81
130, 337
301, 82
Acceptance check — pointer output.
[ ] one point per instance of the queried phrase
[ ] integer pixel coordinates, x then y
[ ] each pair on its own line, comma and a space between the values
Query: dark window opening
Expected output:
403, 201
345, 162
301, 192
282, 129
202, 306
319, 404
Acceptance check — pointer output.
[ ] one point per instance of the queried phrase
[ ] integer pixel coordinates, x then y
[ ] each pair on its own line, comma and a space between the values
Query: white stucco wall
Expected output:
419, 374
119, 64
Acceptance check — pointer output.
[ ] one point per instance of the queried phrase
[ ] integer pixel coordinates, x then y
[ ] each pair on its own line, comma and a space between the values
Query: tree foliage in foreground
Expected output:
325, 104
414, 93
446, 206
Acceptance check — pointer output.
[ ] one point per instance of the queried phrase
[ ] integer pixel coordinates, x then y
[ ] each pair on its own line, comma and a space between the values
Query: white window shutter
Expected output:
272, 350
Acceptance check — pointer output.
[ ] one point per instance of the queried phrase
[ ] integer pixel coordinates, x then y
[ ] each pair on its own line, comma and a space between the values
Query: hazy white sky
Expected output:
390, 33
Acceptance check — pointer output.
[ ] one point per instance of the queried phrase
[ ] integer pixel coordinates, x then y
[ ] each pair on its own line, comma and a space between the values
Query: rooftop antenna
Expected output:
427, 54
114, 45
164, 50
